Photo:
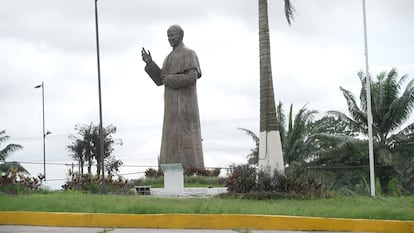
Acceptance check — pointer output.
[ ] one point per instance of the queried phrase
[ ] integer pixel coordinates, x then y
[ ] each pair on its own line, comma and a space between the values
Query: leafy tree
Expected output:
6, 152
85, 147
112, 165
392, 105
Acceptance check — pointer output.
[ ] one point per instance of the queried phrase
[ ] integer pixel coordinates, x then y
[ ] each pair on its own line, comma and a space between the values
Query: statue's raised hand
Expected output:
146, 55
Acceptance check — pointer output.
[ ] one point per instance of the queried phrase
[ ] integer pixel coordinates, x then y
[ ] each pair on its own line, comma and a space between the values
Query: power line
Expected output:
344, 167
131, 173
147, 166
48, 163
35, 138
127, 130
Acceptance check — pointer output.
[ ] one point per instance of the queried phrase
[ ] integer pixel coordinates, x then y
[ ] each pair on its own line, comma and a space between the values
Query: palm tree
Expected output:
271, 155
77, 153
85, 147
297, 137
338, 156
390, 111
82, 148
6, 152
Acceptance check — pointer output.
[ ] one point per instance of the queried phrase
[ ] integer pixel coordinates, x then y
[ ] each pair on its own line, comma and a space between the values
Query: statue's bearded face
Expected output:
174, 37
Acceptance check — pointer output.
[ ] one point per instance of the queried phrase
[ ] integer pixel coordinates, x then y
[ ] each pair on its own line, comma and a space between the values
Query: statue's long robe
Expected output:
181, 134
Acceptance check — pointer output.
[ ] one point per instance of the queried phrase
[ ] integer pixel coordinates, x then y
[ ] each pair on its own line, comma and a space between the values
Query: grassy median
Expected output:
392, 208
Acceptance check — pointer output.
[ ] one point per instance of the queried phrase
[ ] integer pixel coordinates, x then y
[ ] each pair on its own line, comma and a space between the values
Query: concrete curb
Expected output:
203, 221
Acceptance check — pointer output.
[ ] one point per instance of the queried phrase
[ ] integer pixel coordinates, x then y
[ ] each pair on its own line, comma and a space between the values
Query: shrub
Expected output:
215, 172
192, 171
93, 184
151, 172
242, 179
13, 182
394, 187
265, 183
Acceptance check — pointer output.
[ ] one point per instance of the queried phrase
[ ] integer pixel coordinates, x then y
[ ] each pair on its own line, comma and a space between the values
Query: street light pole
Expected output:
369, 111
44, 130
101, 139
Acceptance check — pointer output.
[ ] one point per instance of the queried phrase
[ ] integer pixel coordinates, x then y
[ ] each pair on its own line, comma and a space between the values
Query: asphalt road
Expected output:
36, 229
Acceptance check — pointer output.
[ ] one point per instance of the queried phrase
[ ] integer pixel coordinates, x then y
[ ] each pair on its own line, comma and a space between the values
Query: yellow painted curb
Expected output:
204, 221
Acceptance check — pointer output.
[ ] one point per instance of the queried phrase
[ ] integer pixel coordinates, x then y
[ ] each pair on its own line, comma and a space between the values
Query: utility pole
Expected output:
369, 111
101, 139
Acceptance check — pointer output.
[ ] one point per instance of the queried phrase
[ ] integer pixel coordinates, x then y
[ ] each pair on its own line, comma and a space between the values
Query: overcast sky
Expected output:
54, 41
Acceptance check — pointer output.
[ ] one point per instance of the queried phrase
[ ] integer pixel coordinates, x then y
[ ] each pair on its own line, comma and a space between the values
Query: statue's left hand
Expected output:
146, 56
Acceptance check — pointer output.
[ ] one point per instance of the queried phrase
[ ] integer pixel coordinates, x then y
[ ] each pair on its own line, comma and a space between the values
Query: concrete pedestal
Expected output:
173, 179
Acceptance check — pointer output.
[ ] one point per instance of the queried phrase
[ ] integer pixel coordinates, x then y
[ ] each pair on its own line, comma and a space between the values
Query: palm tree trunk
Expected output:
81, 162
90, 166
270, 148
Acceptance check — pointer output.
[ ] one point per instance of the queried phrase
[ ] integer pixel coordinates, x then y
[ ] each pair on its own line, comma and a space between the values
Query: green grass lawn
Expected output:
393, 208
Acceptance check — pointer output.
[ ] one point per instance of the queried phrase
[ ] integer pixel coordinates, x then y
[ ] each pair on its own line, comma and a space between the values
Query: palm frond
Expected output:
349, 121
3, 137
395, 110
7, 166
402, 80
10, 148
363, 93
251, 134
391, 87
289, 11
346, 150
356, 113
409, 129
295, 146
385, 92
253, 157
281, 120
404, 137
290, 123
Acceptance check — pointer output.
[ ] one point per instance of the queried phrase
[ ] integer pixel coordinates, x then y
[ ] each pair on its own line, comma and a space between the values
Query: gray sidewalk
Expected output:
36, 229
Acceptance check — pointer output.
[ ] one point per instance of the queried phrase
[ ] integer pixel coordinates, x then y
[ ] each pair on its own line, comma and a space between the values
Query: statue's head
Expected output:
175, 35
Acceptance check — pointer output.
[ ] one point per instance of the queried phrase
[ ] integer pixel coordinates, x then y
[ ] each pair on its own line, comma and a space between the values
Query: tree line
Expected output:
335, 146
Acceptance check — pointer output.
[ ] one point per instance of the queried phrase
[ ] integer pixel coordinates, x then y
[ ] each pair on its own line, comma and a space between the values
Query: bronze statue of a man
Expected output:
181, 134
